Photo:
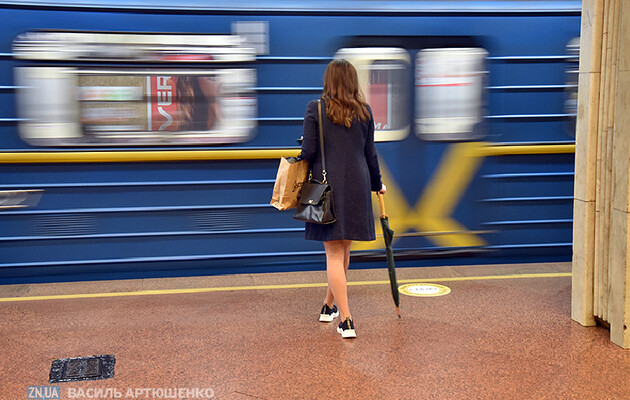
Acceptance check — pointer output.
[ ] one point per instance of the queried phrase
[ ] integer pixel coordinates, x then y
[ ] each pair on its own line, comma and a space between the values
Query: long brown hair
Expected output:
344, 101
185, 90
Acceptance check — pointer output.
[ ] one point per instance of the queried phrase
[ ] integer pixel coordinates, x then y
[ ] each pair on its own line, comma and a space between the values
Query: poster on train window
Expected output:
130, 107
387, 89
449, 93
383, 74
152, 103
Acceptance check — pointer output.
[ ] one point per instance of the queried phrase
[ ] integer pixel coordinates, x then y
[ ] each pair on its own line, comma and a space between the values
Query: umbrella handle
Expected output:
381, 202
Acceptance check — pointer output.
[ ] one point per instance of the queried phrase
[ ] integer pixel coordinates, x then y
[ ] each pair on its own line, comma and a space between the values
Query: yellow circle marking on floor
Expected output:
424, 289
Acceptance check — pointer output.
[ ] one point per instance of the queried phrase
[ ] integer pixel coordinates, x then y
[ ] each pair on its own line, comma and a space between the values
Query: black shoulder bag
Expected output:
315, 203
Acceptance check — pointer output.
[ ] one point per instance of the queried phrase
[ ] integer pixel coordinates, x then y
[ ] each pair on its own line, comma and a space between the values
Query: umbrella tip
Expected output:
398, 311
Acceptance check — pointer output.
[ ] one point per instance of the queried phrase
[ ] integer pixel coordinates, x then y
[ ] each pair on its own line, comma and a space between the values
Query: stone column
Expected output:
619, 308
601, 241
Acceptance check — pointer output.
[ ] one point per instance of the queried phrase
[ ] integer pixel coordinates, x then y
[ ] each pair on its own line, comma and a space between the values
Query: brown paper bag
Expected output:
289, 180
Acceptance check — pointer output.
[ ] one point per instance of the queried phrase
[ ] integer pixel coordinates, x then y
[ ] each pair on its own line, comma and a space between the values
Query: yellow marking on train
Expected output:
432, 212
275, 287
446, 188
29, 157
507, 150
396, 207
143, 156
439, 199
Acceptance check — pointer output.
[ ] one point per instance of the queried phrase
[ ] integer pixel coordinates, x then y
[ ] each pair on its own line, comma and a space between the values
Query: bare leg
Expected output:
329, 295
337, 261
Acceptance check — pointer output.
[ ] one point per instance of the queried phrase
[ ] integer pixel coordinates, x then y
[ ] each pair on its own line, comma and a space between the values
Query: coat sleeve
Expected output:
372, 158
310, 133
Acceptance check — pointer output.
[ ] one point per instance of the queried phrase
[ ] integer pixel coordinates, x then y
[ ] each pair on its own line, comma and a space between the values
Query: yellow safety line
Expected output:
268, 287
481, 278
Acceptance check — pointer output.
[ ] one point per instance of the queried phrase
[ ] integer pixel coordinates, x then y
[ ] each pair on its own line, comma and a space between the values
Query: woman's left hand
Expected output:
383, 189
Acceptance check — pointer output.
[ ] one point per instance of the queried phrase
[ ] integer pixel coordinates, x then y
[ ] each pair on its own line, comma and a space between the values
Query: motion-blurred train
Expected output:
142, 138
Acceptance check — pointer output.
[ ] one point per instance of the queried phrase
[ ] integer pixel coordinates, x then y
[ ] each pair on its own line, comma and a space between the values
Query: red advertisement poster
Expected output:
162, 109
378, 102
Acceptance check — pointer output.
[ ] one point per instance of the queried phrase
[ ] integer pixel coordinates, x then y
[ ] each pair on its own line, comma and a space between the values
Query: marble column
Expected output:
601, 241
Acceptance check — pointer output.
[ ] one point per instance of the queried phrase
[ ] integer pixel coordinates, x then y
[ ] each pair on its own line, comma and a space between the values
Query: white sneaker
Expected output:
346, 328
328, 314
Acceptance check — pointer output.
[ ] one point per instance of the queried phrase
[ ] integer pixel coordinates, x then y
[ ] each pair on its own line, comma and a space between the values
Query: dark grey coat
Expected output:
352, 171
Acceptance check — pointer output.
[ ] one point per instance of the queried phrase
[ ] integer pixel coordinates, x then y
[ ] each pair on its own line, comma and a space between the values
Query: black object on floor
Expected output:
82, 368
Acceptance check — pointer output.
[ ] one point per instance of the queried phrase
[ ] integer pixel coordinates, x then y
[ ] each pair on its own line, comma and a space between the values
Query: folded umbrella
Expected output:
388, 235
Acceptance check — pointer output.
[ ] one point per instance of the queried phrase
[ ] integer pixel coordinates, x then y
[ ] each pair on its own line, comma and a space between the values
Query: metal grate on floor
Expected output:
82, 368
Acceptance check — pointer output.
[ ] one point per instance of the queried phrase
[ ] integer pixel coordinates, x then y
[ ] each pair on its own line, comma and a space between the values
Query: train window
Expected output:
571, 91
449, 93
123, 104
384, 80
255, 33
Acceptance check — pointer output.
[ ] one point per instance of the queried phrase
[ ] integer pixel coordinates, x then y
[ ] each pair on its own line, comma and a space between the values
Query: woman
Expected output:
352, 171
198, 103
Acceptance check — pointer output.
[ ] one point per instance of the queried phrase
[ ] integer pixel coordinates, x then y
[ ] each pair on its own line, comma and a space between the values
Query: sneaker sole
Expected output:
328, 317
347, 334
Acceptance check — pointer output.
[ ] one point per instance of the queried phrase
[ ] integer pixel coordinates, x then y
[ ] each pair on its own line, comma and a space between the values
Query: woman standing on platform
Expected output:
352, 171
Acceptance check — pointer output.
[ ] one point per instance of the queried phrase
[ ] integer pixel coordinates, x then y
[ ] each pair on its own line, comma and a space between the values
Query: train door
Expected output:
427, 175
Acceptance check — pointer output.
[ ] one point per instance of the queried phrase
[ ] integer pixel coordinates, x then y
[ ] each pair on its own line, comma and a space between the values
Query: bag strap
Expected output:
321, 139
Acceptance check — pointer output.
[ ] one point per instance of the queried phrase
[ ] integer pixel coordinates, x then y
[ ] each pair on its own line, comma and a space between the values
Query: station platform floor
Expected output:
503, 332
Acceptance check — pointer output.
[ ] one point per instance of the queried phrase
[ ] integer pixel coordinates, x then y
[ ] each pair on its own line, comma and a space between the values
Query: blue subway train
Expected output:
142, 138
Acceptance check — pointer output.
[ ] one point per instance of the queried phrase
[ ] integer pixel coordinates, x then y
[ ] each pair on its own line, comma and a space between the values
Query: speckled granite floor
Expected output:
505, 336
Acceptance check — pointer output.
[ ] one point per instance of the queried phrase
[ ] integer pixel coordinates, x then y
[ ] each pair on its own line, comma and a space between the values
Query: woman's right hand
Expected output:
383, 189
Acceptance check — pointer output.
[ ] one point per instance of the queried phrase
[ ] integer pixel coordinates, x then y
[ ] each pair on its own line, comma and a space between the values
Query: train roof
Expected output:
303, 6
